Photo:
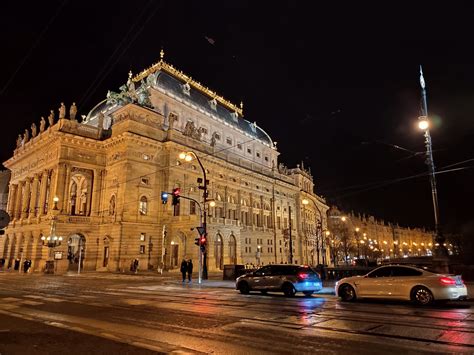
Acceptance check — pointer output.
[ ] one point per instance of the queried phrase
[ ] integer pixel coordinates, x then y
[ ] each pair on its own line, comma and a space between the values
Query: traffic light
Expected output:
164, 197
197, 241
203, 243
176, 192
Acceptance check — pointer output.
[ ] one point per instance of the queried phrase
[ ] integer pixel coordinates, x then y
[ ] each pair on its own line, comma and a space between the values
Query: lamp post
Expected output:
305, 202
52, 240
424, 125
323, 245
356, 232
188, 157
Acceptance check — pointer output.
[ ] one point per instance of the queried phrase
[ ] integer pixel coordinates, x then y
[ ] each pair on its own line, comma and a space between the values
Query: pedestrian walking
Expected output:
184, 269
190, 270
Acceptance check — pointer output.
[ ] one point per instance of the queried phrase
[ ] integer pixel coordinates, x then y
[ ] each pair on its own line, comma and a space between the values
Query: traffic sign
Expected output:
201, 230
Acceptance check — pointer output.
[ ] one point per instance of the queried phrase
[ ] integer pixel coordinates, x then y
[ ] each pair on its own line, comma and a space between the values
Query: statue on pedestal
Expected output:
73, 111
19, 140
62, 111
34, 130
42, 124
51, 118
26, 136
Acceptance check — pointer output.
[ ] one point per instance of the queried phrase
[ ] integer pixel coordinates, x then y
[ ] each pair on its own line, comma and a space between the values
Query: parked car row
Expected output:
386, 282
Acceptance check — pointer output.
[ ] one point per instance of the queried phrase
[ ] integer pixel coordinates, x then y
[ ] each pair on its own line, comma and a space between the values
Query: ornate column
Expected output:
239, 205
11, 199
17, 210
34, 195
59, 186
96, 192
66, 189
43, 187
25, 206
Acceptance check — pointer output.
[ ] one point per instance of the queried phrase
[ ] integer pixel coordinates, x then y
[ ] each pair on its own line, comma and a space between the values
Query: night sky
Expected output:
335, 84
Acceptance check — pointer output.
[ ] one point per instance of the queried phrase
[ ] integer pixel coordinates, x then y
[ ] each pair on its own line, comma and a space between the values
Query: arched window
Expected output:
143, 206
112, 206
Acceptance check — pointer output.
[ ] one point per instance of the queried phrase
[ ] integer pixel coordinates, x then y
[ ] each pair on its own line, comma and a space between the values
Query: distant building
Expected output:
108, 172
366, 237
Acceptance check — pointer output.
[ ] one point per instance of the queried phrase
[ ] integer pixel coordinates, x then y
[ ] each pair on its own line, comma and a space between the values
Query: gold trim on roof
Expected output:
162, 65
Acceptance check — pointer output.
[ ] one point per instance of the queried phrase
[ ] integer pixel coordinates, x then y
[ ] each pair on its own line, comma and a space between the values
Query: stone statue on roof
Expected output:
213, 139
42, 124
189, 129
51, 118
19, 141
34, 130
73, 111
62, 111
172, 118
144, 96
26, 136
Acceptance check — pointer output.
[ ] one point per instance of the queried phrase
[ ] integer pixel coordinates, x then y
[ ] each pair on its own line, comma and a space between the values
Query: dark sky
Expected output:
335, 83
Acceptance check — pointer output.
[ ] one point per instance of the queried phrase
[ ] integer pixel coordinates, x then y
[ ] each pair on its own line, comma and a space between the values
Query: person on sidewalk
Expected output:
184, 269
190, 270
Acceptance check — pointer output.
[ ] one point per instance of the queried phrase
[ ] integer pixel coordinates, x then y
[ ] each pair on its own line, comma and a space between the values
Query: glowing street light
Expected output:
423, 124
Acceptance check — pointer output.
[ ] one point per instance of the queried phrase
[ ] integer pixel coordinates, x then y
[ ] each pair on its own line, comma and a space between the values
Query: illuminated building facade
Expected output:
108, 172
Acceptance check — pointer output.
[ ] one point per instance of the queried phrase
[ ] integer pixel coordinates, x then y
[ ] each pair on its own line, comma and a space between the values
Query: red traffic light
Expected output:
176, 191
203, 240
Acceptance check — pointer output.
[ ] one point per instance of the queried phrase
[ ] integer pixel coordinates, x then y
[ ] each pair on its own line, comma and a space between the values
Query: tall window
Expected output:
143, 206
176, 210
192, 207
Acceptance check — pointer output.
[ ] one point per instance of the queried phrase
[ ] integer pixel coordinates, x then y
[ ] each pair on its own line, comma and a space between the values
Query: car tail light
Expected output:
303, 276
447, 281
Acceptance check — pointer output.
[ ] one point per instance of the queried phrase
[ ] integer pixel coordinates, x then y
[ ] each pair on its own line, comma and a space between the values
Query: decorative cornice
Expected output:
168, 68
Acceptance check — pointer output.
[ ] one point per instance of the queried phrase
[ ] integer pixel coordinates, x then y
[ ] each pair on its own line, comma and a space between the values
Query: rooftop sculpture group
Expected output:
129, 94
22, 140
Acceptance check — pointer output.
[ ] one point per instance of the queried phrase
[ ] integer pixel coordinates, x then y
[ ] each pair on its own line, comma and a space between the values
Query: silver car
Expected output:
288, 279
404, 283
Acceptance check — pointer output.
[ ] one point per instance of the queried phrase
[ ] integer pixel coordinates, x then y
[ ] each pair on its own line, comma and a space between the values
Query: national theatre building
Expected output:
88, 195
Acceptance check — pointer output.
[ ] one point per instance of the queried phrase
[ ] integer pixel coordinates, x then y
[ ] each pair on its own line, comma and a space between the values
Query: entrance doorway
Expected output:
76, 252
174, 255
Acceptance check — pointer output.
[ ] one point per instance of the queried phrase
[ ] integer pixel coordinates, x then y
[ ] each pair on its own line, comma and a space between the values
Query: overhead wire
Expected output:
393, 181
113, 60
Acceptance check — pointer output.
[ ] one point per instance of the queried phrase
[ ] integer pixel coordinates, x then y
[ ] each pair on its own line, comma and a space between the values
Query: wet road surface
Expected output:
134, 314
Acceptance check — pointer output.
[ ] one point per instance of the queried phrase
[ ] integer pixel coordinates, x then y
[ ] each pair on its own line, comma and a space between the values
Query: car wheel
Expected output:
308, 293
422, 296
347, 293
244, 288
289, 290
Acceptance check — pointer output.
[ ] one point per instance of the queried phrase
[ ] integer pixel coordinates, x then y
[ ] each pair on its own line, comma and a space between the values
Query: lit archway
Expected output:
76, 251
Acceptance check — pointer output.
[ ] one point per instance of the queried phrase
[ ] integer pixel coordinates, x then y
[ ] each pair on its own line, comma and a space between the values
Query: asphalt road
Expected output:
128, 314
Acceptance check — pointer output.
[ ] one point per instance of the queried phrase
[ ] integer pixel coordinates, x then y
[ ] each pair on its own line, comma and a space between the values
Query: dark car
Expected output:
288, 279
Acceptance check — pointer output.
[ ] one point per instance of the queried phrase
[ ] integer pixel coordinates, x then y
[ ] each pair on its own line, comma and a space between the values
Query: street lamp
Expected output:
423, 124
356, 231
52, 240
305, 202
188, 157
